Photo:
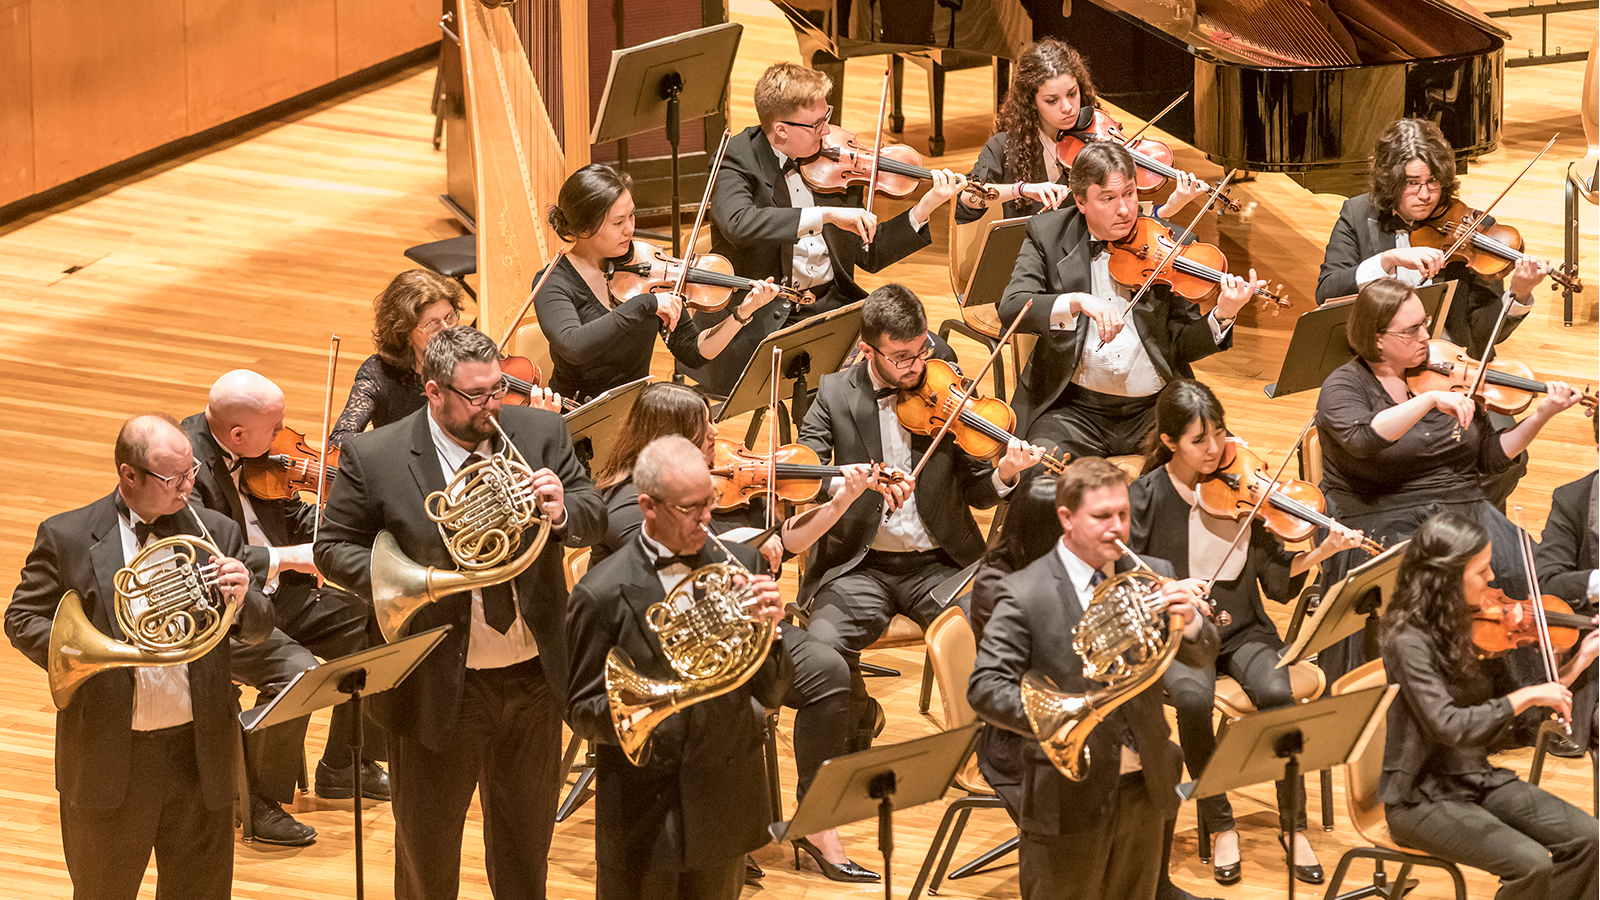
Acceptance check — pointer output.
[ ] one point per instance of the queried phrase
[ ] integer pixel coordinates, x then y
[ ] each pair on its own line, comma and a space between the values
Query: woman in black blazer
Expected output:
1441, 795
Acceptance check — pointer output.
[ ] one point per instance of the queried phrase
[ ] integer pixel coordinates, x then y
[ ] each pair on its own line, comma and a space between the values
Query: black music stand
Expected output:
876, 782
1349, 606
663, 82
1279, 744
596, 425
351, 678
818, 344
997, 256
1319, 345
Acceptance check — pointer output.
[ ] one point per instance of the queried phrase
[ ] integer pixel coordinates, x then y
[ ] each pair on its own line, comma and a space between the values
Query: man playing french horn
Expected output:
680, 799
145, 739
483, 711
1100, 834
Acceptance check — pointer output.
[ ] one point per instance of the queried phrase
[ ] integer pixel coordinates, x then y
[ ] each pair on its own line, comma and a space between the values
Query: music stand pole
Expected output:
353, 683
671, 90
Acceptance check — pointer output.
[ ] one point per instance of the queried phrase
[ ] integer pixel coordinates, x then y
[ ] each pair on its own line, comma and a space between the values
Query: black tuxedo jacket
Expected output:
701, 797
384, 477
753, 226
1567, 548
81, 551
1031, 629
842, 427
1055, 260
1356, 237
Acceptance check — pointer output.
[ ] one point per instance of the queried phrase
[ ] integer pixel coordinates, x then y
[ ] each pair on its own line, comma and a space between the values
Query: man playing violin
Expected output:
1089, 388
770, 223
243, 414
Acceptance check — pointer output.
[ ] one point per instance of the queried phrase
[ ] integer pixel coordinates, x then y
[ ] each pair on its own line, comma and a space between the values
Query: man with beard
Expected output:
870, 567
483, 711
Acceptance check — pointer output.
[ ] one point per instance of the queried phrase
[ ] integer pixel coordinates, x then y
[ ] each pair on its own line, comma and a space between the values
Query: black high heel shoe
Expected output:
1307, 874
847, 871
1226, 874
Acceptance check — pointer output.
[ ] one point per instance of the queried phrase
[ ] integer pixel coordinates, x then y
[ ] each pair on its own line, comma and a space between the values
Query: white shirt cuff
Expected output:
1370, 270
1518, 308
810, 222
912, 218
272, 564
1000, 486
1218, 332
1061, 317
1594, 583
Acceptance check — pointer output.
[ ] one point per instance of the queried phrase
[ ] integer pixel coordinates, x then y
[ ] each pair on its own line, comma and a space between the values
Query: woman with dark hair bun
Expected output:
1188, 445
1440, 793
596, 341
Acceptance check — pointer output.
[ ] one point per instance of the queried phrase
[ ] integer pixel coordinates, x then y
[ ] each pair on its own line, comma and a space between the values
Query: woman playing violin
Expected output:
1441, 795
1393, 457
1050, 93
596, 341
1188, 447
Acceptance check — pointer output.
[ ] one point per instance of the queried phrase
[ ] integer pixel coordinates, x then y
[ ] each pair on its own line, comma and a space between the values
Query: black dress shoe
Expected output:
846, 871
752, 872
1307, 874
271, 825
340, 784
1228, 874
1559, 745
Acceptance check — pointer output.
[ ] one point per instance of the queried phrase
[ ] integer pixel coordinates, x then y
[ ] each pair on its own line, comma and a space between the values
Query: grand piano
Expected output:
1300, 87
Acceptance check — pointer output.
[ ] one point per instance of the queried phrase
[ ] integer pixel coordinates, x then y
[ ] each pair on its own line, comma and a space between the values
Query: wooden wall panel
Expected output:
108, 83
16, 103
244, 56
371, 31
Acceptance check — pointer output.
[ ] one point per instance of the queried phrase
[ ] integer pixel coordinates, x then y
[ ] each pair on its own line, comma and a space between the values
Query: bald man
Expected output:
243, 414
144, 755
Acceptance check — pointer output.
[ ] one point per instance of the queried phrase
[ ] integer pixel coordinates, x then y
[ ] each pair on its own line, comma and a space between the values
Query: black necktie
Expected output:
499, 601
684, 559
1095, 579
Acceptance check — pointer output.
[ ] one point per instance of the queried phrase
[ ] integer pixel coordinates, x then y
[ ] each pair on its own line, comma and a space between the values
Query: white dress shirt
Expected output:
160, 693
1079, 574
1371, 269
486, 647
252, 531
669, 576
811, 264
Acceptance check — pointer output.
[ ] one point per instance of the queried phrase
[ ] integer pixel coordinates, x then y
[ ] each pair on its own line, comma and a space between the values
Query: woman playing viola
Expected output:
1187, 447
1441, 795
596, 341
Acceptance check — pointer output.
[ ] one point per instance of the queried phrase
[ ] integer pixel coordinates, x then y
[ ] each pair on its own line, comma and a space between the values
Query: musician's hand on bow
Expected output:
1525, 276
545, 399
1184, 189
669, 307
772, 552
1453, 404
767, 602
1049, 193
858, 222
1551, 695
1106, 314
1426, 260
233, 579
1019, 456
547, 491
1235, 293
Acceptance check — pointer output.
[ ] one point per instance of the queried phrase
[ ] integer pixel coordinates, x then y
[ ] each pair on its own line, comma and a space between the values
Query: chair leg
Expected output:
989, 856
925, 700
933, 852
1204, 835
950, 847
774, 788
241, 785
869, 670
1540, 747
936, 101
1327, 799
1570, 244
581, 791
897, 81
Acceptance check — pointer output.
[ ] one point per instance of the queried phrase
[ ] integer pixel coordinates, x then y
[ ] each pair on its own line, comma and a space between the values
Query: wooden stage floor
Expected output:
249, 254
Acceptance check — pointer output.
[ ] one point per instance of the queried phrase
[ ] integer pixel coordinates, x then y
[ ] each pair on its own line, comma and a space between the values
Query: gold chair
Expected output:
1361, 778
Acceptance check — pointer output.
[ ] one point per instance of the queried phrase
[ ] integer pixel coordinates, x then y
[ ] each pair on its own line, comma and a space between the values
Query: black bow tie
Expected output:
1097, 247
683, 559
163, 526
789, 165
885, 392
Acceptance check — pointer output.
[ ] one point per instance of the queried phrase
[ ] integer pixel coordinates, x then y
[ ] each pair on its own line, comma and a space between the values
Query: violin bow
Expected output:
516, 320
700, 216
1146, 126
772, 439
877, 140
1541, 624
1265, 495
327, 418
967, 395
1166, 260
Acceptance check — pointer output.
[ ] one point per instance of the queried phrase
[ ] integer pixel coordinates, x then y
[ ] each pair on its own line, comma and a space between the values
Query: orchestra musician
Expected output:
679, 825
1441, 794
598, 341
770, 224
1393, 458
1566, 561
1051, 93
820, 689
1101, 837
145, 756
243, 414
1187, 446
1075, 394
483, 710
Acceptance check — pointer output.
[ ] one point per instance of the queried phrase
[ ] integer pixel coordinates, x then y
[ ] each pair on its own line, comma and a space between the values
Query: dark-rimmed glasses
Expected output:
817, 126
907, 362
479, 400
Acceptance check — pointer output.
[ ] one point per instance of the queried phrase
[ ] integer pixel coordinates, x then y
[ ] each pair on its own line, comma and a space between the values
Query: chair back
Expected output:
1362, 775
576, 566
1311, 457
966, 243
952, 652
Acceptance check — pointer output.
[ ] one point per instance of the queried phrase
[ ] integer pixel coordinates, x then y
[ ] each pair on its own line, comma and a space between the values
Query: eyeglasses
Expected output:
1415, 187
479, 400
696, 510
169, 479
907, 362
433, 326
818, 126
1419, 330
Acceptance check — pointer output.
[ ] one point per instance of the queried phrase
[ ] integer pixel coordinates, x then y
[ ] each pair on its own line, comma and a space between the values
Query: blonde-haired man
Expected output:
769, 223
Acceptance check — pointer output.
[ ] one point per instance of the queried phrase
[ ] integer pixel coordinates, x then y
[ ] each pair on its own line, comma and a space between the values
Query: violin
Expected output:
290, 466
521, 375
1508, 387
740, 473
1152, 159
982, 426
1294, 508
1500, 624
1196, 269
843, 163
1492, 249
649, 269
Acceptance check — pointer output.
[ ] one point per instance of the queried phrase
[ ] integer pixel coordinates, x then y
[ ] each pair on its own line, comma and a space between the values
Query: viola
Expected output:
1500, 624
1152, 159
983, 426
291, 465
1293, 510
1492, 249
521, 375
649, 269
843, 163
1508, 386
740, 473
1196, 269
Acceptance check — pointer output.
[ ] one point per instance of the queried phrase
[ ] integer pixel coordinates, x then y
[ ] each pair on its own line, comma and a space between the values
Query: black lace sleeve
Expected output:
363, 398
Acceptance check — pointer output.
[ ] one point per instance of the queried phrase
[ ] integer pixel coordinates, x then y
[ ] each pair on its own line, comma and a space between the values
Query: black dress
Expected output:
382, 393
991, 168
